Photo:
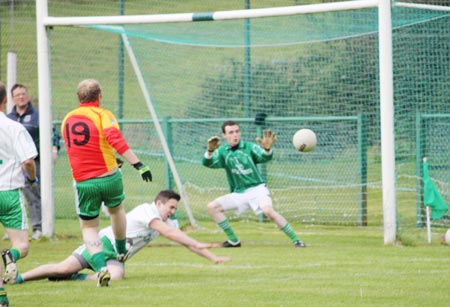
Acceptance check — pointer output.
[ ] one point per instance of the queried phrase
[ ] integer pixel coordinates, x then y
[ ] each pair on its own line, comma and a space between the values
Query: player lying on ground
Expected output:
144, 223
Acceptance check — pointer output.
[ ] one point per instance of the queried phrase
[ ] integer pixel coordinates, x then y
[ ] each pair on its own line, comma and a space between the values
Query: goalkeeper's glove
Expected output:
268, 139
213, 144
144, 171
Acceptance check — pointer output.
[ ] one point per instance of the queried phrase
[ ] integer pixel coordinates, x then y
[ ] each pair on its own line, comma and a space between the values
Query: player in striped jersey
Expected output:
92, 136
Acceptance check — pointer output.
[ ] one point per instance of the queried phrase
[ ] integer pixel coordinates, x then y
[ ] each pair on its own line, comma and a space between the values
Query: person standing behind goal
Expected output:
92, 135
248, 187
17, 153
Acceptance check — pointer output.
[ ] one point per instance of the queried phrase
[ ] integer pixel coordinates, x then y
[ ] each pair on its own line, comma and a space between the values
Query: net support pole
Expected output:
11, 77
387, 121
428, 224
158, 129
45, 121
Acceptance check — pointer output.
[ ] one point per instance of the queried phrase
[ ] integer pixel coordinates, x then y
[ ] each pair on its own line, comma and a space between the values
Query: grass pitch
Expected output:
342, 266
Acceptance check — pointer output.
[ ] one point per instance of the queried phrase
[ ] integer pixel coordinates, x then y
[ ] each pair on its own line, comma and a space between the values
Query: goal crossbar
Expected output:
208, 16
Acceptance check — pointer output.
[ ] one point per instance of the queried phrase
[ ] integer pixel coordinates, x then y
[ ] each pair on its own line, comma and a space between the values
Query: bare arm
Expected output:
130, 157
30, 168
180, 237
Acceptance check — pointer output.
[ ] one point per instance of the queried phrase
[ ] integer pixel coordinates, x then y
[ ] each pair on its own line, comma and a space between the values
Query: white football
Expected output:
447, 237
304, 140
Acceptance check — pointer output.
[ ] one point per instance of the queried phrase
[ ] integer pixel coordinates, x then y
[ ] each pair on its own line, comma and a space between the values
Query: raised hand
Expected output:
268, 140
213, 143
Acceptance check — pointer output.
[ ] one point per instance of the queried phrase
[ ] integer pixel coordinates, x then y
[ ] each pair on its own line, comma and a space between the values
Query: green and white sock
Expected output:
19, 279
287, 229
99, 261
228, 231
15, 253
121, 246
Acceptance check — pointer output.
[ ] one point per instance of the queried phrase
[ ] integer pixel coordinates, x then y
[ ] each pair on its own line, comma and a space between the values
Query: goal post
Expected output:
45, 121
162, 138
45, 22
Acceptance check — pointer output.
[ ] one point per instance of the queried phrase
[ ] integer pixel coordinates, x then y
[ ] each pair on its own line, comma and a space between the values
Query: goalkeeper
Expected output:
248, 187
92, 136
144, 224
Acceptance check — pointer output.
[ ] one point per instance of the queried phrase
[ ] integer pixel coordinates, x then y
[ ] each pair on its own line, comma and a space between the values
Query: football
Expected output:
446, 238
304, 140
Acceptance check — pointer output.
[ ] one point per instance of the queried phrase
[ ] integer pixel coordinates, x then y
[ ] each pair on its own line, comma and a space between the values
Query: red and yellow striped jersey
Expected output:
91, 135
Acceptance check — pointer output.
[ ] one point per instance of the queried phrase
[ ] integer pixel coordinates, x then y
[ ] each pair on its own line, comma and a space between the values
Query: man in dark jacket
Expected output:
28, 116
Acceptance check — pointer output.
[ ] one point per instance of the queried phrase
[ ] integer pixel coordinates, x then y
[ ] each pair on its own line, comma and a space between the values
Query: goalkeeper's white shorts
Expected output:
253, 198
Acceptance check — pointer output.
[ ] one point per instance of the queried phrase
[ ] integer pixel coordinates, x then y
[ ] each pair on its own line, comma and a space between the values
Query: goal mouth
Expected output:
301, 70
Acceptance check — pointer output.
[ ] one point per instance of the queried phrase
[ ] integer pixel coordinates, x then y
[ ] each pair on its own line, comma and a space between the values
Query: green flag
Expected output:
431, 196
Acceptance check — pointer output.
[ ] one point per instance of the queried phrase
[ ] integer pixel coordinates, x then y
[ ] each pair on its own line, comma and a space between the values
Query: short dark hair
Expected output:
16, 86
228, 123
165, 195
2, 91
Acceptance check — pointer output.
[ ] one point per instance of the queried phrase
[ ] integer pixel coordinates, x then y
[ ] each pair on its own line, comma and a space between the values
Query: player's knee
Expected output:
117, 274
213, 207
268, 211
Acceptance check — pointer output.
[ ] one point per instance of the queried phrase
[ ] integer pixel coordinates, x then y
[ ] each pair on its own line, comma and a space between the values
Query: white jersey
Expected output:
139, 233
16, 146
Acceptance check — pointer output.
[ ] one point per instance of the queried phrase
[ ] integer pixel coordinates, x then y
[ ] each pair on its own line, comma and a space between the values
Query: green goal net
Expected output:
317, 71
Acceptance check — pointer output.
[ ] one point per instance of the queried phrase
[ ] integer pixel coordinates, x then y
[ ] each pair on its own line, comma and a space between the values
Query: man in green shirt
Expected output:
248, 188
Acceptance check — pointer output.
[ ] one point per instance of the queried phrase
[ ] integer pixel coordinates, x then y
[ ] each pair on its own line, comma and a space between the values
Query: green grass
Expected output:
342, 266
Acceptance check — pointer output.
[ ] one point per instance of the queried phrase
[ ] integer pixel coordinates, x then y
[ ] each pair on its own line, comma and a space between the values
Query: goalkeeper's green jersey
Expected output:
240, 164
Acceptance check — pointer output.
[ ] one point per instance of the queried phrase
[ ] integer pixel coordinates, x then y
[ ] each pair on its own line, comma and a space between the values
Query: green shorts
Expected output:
13, 213
92, 193
85, 259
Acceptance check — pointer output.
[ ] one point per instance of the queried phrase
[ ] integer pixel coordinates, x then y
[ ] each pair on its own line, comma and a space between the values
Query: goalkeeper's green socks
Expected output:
228, 231
287, 229
99, 261
121, 246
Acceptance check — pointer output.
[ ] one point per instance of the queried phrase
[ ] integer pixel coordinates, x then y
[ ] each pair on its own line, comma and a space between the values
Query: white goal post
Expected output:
386, 84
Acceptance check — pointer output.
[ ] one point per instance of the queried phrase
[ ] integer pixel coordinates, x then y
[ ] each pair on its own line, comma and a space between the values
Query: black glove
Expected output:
119, 162
144, 171
33, 183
